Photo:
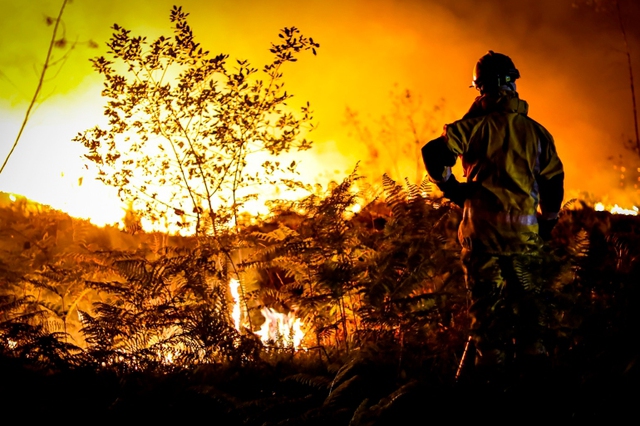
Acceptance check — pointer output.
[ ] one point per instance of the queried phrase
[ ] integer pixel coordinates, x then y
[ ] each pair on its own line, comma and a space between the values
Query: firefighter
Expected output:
511, 198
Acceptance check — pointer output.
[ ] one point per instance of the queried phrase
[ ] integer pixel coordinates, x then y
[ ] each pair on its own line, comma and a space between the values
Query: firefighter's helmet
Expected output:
494, 70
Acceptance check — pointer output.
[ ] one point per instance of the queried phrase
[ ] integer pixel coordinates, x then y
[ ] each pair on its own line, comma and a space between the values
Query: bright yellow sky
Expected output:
573, 75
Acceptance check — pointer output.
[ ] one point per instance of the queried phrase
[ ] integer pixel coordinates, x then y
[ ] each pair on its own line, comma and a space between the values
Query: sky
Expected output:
570, 54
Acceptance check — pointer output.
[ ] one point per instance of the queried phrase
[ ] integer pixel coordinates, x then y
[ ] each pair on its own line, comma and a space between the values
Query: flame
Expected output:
283, 329
616, 209
619, 210
75, 105
234, 286
167, 359
66, 182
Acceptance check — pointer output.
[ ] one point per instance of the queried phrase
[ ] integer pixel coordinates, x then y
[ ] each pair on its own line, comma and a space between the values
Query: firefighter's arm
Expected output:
551, 187
438, 159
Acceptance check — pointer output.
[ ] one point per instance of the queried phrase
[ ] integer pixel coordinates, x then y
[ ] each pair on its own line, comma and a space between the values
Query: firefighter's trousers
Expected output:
506, 306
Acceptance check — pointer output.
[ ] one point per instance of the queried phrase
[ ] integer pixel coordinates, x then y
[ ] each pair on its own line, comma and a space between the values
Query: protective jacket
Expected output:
512, 168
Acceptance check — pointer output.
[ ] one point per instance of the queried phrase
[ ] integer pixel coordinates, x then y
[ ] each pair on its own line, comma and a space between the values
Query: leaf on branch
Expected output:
60, 43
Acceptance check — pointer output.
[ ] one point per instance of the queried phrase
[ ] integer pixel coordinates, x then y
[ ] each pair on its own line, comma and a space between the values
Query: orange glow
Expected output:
429, 47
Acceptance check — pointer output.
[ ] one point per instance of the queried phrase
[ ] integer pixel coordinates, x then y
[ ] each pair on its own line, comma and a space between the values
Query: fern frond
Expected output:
37, 283
568, 205
581, 245
524, 275
413, 191
344, 370
318, 382
388, 402
133, 269
426, 187
356, 419
280, 234
339, 392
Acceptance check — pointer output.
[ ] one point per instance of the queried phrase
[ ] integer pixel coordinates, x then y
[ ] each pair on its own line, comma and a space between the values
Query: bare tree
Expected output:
613, 6
48, 62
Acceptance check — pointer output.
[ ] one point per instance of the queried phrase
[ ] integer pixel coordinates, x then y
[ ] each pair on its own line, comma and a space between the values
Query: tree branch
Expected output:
39, 87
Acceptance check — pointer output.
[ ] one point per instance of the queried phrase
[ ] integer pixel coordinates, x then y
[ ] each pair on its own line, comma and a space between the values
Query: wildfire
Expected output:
283, 330
616, 209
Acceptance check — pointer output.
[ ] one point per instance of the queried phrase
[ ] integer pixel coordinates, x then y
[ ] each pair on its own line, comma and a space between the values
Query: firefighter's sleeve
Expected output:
438, 160
550, 180
439, 155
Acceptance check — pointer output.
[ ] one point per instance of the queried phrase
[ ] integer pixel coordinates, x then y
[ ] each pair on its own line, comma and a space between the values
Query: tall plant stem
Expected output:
344, 323
633, 91
45, 67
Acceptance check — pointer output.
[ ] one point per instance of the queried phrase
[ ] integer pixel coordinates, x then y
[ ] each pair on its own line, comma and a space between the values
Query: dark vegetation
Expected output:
103, 324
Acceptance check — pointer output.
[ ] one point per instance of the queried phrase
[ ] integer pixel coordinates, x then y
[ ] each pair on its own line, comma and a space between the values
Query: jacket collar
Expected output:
506, 101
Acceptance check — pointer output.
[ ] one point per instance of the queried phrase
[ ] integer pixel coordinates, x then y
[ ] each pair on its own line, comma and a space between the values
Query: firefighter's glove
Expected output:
455, 191
545, 226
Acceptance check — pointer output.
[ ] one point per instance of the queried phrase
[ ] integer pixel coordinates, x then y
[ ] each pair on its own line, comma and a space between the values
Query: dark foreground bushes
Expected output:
101, 325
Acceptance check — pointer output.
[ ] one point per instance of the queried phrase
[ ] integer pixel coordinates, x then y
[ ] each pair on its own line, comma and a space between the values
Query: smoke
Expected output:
572, 61
575, 77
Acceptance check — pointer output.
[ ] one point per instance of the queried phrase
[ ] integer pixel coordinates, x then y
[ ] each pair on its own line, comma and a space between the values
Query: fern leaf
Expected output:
318, 382
568, 205
335, 394
356, 419
426, 187
412, 190
396, 197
